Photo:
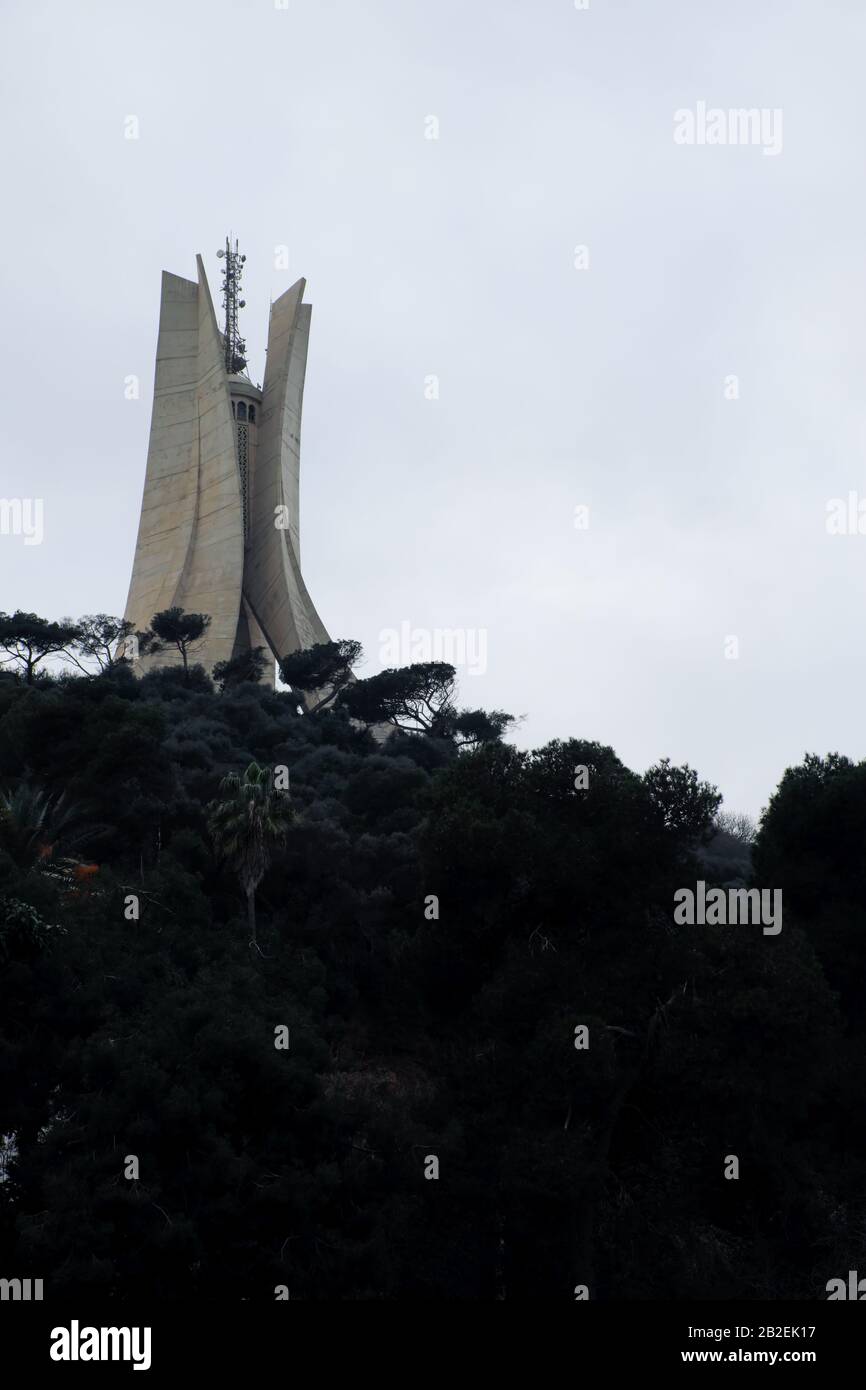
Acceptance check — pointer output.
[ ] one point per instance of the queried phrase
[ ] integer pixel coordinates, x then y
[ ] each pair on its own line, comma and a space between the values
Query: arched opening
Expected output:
233, 407
252, 415
242, 410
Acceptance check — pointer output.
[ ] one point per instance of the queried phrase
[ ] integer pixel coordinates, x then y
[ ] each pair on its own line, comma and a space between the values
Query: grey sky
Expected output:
455, 257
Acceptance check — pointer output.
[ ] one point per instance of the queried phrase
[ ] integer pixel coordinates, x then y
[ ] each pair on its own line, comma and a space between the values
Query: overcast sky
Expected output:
606, 386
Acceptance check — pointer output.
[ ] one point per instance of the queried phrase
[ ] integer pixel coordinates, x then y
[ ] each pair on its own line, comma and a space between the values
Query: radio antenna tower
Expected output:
235, 347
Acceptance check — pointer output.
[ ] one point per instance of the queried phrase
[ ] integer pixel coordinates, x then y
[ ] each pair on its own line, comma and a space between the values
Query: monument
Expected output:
219, 530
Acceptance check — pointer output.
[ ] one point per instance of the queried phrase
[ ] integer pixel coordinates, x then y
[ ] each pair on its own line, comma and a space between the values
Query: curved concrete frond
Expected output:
212, 577
273, 584
168, 505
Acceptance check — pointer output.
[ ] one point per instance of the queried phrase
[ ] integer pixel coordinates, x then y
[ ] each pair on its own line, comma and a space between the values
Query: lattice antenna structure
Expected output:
235, 347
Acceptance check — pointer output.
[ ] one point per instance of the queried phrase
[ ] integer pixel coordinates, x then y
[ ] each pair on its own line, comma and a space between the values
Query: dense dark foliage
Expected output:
417, 1028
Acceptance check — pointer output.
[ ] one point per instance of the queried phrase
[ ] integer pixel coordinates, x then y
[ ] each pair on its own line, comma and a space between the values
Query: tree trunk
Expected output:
251, 914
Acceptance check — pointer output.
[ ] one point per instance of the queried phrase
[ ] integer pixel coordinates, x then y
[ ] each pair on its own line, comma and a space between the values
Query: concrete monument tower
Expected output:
219, 531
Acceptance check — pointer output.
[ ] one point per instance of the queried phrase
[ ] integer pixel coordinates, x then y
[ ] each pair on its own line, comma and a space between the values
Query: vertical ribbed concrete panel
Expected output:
168, 507
212, 577
273, 584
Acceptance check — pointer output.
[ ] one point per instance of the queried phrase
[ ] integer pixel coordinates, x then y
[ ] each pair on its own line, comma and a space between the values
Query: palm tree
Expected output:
33, 824
250, 817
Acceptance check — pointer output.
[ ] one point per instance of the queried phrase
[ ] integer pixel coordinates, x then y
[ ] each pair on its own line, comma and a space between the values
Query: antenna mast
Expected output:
235, 347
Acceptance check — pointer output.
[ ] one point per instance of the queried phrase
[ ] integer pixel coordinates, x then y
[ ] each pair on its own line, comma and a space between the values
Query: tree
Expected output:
420, 699
416, 699
811, 844
738, 825
33, 824
471, 727
326, 666
23, 930
687, 806
249, 819
248, 666
29, 639
101, 639
173, 627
